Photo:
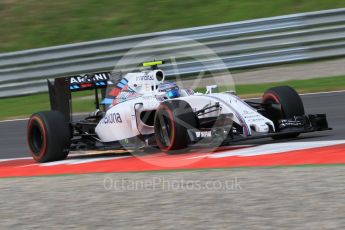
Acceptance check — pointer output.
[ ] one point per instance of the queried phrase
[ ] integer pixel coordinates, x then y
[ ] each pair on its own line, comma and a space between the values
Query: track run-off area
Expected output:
313, 148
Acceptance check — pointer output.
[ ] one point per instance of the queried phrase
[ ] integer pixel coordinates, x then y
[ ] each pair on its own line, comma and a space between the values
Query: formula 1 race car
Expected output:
141, 110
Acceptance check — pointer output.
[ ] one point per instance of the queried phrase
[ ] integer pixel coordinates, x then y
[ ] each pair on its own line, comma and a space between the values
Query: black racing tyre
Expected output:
290, 103
172, 120
48, 136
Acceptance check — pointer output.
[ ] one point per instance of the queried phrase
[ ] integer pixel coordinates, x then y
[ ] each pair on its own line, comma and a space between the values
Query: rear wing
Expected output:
88, 81
60, 90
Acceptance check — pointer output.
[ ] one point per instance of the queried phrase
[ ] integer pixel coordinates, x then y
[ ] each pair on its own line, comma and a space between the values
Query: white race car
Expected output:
142, 109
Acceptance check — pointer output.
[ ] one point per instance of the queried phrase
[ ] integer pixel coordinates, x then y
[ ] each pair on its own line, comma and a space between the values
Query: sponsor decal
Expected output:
145, 78
89, 78
203, 134
112, 118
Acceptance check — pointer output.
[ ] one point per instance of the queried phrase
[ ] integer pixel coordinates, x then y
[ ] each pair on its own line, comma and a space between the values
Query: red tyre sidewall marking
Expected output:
271, 96
44, 134
164, 148
268, 96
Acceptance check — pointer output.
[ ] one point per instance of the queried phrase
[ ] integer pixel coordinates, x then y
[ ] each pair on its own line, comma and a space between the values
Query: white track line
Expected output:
276, 148
305, 94
329, 92
19, 119
81, 161
12, 159
73, 161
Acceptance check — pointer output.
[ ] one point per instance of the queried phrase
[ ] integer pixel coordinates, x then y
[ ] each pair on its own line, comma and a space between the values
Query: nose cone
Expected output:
261, 128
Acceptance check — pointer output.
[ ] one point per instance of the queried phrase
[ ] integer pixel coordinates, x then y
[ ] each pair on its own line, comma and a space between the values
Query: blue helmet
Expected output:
171, 89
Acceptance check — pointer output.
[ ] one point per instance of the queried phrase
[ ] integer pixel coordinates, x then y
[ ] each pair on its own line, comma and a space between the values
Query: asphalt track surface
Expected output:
13, 136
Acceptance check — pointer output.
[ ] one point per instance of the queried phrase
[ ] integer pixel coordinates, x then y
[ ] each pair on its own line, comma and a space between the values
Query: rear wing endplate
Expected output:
60, 90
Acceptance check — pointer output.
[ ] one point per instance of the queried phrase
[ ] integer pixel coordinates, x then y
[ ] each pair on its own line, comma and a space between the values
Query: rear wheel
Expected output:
48, 136
290, 104
172, 120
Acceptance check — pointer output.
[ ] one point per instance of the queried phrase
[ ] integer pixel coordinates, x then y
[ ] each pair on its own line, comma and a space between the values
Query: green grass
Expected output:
37, 23
17, 107
302, 86
24, 106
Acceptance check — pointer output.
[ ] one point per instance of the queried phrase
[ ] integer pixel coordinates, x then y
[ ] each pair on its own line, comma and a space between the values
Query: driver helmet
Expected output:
170, 88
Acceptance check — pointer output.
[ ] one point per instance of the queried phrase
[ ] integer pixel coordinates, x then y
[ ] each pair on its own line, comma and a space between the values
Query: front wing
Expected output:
296, 125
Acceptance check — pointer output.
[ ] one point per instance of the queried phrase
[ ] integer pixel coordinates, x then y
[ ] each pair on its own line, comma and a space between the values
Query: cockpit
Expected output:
148, 82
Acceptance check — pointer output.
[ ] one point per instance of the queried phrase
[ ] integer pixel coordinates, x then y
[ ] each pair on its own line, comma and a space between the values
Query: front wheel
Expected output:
48, 136
289, 102
172, 120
